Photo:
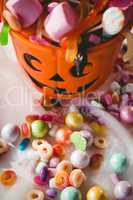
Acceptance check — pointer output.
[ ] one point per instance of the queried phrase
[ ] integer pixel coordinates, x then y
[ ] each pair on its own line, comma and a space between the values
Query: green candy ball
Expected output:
39, 129
70, 193
119, 162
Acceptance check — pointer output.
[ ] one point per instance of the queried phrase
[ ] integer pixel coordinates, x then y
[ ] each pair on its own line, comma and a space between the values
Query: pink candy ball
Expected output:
126, 114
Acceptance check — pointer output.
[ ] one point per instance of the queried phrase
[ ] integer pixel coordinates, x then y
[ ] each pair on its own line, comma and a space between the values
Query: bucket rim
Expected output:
25, 40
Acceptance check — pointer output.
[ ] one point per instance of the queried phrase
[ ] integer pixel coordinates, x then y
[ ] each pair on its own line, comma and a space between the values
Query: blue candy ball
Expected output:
119, 162
70, 193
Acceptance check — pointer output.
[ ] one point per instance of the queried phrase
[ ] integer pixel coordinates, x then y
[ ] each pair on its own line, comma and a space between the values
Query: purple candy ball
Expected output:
122, 190
44, 174
51, 193
126, 114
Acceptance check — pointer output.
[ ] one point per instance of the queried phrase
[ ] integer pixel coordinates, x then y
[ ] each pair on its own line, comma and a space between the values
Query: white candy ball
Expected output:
113, 20
80, 159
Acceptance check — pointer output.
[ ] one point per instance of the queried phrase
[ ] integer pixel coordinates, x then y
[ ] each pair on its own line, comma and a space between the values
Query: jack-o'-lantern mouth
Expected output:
63, 91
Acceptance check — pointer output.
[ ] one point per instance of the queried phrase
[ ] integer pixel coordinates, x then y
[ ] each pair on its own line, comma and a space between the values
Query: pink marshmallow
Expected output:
61, 20
27, 11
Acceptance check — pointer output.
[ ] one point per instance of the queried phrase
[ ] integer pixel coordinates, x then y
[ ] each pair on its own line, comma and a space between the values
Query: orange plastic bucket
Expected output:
51, 74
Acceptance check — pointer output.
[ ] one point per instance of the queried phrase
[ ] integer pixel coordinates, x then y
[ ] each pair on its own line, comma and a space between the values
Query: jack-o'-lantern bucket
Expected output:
52, 75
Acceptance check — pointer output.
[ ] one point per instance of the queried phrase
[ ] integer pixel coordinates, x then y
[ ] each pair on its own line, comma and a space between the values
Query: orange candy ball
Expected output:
63, 135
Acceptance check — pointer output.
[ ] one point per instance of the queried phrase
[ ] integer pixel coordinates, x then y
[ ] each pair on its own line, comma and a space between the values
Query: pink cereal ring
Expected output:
77, 177
46, 151
37, 143
35, 195
65, 165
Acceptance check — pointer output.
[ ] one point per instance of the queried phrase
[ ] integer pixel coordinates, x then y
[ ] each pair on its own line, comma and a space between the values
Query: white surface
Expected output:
16, 99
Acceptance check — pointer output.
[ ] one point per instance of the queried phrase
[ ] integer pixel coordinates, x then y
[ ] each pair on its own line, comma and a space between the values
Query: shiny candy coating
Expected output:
24, 144
44, 173
80, 159
79, 141
63, 135
96, 193
59, 150
74, 120
25, 131
76, 178
61, 179
38, 181
35, 195
126, 114
65, 166
4, 147
89, 137
123, 189
51, 193
39, 129
45, 151
10, 132
119, 162
54, 162
39, 167
8, 178
70, 193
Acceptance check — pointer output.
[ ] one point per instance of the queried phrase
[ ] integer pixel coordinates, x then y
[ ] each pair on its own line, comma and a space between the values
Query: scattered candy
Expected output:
123, 189
24, 144
74, 120
51, 193
44, 173
70, 193
79, 142
64, 166
35, 195
80, 159
46, 151
25, 131
126, 114
59, 150
77, 177
119, 162
8, 178
38, 181
113, 20
88, 136
10, 132
4, 147
63, 135
39, 129
96, 193
54, 162
39, 167
61, 179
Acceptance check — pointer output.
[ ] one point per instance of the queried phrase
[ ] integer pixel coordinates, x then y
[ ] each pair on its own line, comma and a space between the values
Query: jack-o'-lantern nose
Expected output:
57, 77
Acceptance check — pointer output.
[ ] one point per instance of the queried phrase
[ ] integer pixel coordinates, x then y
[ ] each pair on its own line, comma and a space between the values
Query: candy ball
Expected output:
70, 193
39, 167
113, 20
63, 135
96, 193
51, 193
54, 162
35, 195
74, 120
39, 129
126, 114
44, 173
122, 190
10, 132
89, 137
80, 159
119, 162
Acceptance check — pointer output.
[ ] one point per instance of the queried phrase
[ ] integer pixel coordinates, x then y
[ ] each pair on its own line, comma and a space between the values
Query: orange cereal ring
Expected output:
61, 179
8, 178
65, 165
77, 177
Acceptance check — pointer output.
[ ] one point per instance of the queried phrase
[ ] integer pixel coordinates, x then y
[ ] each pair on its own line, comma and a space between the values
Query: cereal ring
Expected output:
12, 21
61, 180
8, 177
46, 151
37, 143
77, 178
35, 194
64, 166
3, 146
100, 142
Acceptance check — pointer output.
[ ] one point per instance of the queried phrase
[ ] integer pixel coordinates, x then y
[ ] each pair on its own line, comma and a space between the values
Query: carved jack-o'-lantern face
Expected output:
48, 70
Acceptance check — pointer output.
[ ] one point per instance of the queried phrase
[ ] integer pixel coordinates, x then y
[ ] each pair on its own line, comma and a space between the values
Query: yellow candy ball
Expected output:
74, 120
96, 193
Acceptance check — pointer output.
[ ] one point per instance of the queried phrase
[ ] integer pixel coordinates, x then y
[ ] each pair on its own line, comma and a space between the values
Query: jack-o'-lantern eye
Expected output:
29, 59
81, 66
